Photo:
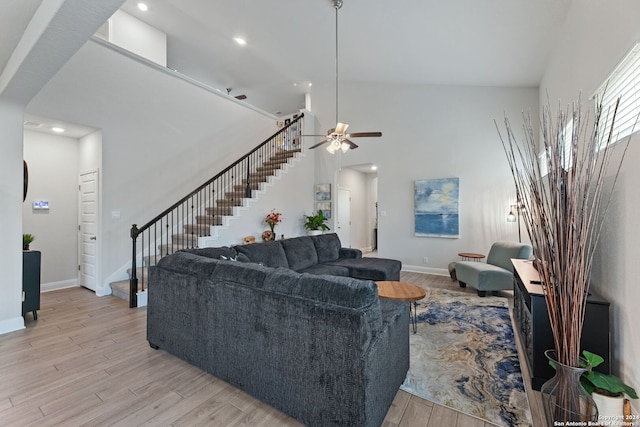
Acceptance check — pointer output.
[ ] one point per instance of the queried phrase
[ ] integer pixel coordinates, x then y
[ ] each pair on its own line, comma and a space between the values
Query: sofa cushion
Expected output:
249, 274
223, 252
188, 263
270, 254
371, 268
327, 247
300, 252
332, 270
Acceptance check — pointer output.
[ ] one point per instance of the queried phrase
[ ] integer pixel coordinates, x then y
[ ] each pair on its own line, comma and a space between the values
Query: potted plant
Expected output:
563, 211
26, 241
315, 223
607, 390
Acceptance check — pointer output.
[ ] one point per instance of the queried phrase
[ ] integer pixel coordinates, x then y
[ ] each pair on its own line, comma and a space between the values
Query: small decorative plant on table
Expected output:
26, 241
315, 223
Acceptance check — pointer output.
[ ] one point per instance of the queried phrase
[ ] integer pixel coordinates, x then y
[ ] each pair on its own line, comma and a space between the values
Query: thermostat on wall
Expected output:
40, 204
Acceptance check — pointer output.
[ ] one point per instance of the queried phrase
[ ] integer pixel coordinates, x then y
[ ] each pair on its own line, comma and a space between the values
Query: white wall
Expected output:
181, 136
40, 53
53, 176
596, 37
430, 132
138, 37
11, 217
90, 155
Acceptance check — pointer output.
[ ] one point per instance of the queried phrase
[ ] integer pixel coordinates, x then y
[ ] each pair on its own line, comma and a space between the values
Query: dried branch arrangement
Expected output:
564, 211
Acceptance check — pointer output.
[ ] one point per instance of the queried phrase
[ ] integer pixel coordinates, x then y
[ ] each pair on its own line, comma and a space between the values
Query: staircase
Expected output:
209, 206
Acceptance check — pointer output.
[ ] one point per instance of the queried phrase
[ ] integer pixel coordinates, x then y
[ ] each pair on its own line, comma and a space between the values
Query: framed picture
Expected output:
325, 207
323, 192
436, 208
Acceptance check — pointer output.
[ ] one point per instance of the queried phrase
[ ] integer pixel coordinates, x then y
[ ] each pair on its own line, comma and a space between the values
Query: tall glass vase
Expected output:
563, 397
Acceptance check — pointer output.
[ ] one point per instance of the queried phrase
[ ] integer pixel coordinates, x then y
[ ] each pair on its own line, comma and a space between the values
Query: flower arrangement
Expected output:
273, 219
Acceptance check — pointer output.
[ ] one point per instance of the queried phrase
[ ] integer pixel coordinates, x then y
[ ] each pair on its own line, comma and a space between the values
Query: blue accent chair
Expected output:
497, 273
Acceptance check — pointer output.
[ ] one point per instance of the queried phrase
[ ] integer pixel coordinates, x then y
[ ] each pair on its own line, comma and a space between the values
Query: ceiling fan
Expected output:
338, 138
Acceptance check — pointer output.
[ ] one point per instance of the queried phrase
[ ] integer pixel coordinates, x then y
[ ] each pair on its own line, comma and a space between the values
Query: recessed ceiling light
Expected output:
374, 168
143, 7
310, 84
57, 129
240, 41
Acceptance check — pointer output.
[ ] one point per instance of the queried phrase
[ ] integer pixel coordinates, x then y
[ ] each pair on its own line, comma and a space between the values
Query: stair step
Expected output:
238, 194
208, 221
287, 154
275, 164
142, 273
243, 187
151, 260
200, 229
217, 211
120, 289
230, 202
190, 240
267, 169
169, 248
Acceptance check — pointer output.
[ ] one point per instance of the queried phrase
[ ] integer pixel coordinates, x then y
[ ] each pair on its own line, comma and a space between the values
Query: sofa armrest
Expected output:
349, 253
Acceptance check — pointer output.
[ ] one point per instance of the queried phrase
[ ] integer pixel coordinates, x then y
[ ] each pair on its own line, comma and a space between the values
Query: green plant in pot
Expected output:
607, 390
26, 241
315, 223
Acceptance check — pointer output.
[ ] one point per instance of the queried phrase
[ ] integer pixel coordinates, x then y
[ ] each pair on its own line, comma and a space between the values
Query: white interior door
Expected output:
88, 230
344, 217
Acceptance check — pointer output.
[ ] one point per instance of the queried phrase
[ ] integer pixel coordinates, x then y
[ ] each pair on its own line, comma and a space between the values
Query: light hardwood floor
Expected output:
86, 361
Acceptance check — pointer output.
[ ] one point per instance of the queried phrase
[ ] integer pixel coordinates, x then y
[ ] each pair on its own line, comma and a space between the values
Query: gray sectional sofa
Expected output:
322, 348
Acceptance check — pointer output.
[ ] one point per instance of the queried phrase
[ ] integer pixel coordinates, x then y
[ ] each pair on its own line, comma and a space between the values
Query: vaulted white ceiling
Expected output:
292, 42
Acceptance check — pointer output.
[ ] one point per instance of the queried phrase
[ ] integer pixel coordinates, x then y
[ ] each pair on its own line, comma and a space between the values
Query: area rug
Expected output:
464, 356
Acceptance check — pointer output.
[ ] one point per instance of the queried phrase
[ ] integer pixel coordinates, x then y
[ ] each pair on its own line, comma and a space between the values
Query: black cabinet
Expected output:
31, 282
532, 321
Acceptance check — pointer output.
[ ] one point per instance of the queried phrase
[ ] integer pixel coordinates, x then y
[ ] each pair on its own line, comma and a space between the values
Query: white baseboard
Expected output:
427, 270
10, 325
52, 286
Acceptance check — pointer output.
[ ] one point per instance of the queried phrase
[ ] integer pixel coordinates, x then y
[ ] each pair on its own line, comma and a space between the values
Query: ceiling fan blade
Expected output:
352, 146
341, 128
318, 144
314, 135
364, 134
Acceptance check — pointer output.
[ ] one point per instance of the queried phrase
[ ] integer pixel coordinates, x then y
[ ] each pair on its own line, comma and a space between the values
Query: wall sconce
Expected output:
515, 217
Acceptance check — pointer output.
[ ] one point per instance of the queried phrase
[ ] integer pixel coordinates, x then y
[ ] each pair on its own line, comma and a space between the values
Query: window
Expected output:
564, 138
623, 83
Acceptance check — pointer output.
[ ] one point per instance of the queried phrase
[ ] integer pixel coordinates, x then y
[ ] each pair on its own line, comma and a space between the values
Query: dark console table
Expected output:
532, 322
31, 283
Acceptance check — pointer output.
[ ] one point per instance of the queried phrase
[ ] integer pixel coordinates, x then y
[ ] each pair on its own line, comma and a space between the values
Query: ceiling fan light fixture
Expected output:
331, 148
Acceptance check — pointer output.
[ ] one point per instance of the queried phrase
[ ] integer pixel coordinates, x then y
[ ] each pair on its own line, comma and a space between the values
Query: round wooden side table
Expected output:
470, 256
403, 291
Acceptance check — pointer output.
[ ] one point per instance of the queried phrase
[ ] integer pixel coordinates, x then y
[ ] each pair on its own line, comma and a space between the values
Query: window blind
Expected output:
623, 83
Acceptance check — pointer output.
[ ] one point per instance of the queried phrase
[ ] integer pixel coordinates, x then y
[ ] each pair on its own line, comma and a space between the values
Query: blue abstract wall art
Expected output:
436, 208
